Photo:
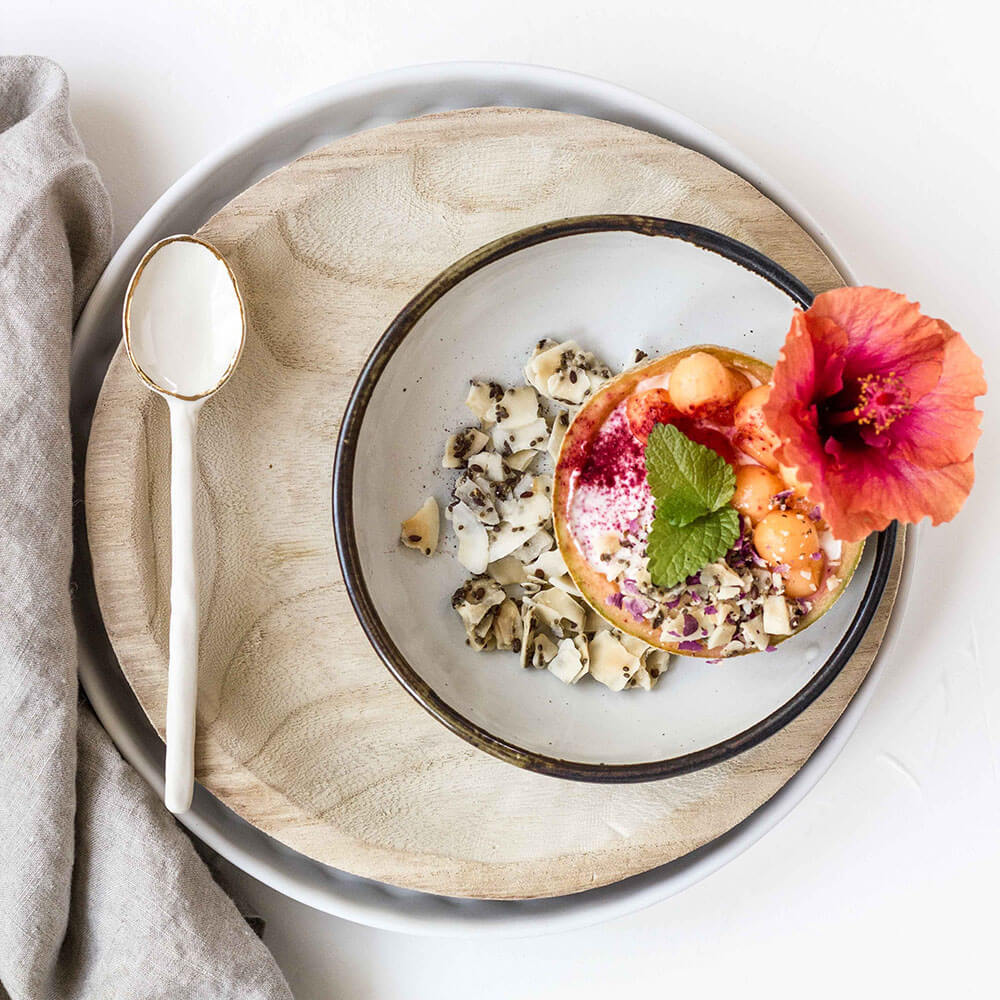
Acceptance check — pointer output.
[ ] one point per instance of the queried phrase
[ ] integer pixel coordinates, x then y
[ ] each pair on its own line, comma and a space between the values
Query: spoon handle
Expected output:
182, 678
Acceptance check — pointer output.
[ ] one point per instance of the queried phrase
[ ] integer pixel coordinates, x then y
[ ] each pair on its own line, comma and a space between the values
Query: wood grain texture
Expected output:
302, 731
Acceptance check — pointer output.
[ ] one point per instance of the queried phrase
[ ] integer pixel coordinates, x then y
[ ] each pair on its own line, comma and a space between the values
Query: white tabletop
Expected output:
881, 118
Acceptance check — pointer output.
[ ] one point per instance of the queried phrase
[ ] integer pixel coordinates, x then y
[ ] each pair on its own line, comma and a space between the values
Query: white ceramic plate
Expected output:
612, 283
319, 119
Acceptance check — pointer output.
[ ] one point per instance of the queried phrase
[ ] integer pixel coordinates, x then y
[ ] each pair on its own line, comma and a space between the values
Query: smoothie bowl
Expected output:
780, 568
505, 457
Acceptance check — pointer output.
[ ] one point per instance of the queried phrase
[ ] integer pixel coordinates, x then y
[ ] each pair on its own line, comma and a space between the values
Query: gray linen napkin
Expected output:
101, 893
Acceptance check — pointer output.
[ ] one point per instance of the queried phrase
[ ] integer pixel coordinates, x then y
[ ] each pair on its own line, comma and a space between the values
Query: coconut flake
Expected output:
720, 636
488, 464
560, 425
539, 542
504, 541
507, 571
521, 461
558, 611
515, 408
543, 651
569, 664
775, 617
548, 564
530, 503
476, 598
753, 632
571, 385
507, 439
477, 495
462, 445
473, 540
545, 362
507, 626
481, 398
422, 530
610, 662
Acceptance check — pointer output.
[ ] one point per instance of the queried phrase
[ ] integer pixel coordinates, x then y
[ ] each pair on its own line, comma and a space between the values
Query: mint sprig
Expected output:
693, 523
677, 551
688, 480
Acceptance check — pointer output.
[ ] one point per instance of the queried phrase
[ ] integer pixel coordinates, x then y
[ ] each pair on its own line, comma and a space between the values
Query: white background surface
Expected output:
882, 119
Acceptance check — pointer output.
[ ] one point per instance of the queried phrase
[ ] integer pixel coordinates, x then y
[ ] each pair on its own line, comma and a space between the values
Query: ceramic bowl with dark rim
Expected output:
613, 284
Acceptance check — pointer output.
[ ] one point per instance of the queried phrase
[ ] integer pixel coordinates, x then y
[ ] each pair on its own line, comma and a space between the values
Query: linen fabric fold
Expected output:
101, 893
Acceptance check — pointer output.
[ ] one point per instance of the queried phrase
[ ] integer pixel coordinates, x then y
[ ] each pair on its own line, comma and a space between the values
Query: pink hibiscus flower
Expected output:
873, 403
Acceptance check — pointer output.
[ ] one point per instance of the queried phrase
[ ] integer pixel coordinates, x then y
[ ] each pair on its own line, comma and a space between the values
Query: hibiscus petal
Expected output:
865, 494
812, 359
885, 332
944, 428
809, 369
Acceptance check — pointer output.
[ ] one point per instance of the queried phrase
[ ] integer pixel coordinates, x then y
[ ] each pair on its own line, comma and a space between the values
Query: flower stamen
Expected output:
882, 400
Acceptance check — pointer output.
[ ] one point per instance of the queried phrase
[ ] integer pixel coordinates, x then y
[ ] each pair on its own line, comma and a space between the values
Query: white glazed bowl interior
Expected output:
612, 292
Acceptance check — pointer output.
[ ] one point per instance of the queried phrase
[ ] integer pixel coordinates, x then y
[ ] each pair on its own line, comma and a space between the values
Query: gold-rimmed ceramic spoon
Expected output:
184, 328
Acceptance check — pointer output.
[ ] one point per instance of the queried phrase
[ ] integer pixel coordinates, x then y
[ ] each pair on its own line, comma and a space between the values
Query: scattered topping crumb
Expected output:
521, 597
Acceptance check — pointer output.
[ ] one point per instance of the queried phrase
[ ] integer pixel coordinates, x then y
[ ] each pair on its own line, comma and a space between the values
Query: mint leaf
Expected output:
688, 480
676, 551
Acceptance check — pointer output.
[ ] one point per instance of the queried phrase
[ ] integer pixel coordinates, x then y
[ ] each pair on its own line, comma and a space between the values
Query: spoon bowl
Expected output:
184, 327
183, 320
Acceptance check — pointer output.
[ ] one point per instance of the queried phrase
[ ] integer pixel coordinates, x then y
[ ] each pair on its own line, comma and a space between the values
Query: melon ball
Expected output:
753, 436
701, 383
784, 536
787, 538
755, 486
803, 577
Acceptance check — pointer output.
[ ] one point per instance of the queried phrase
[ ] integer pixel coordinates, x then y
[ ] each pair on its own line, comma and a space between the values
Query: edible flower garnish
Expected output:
693, 523
873, 404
